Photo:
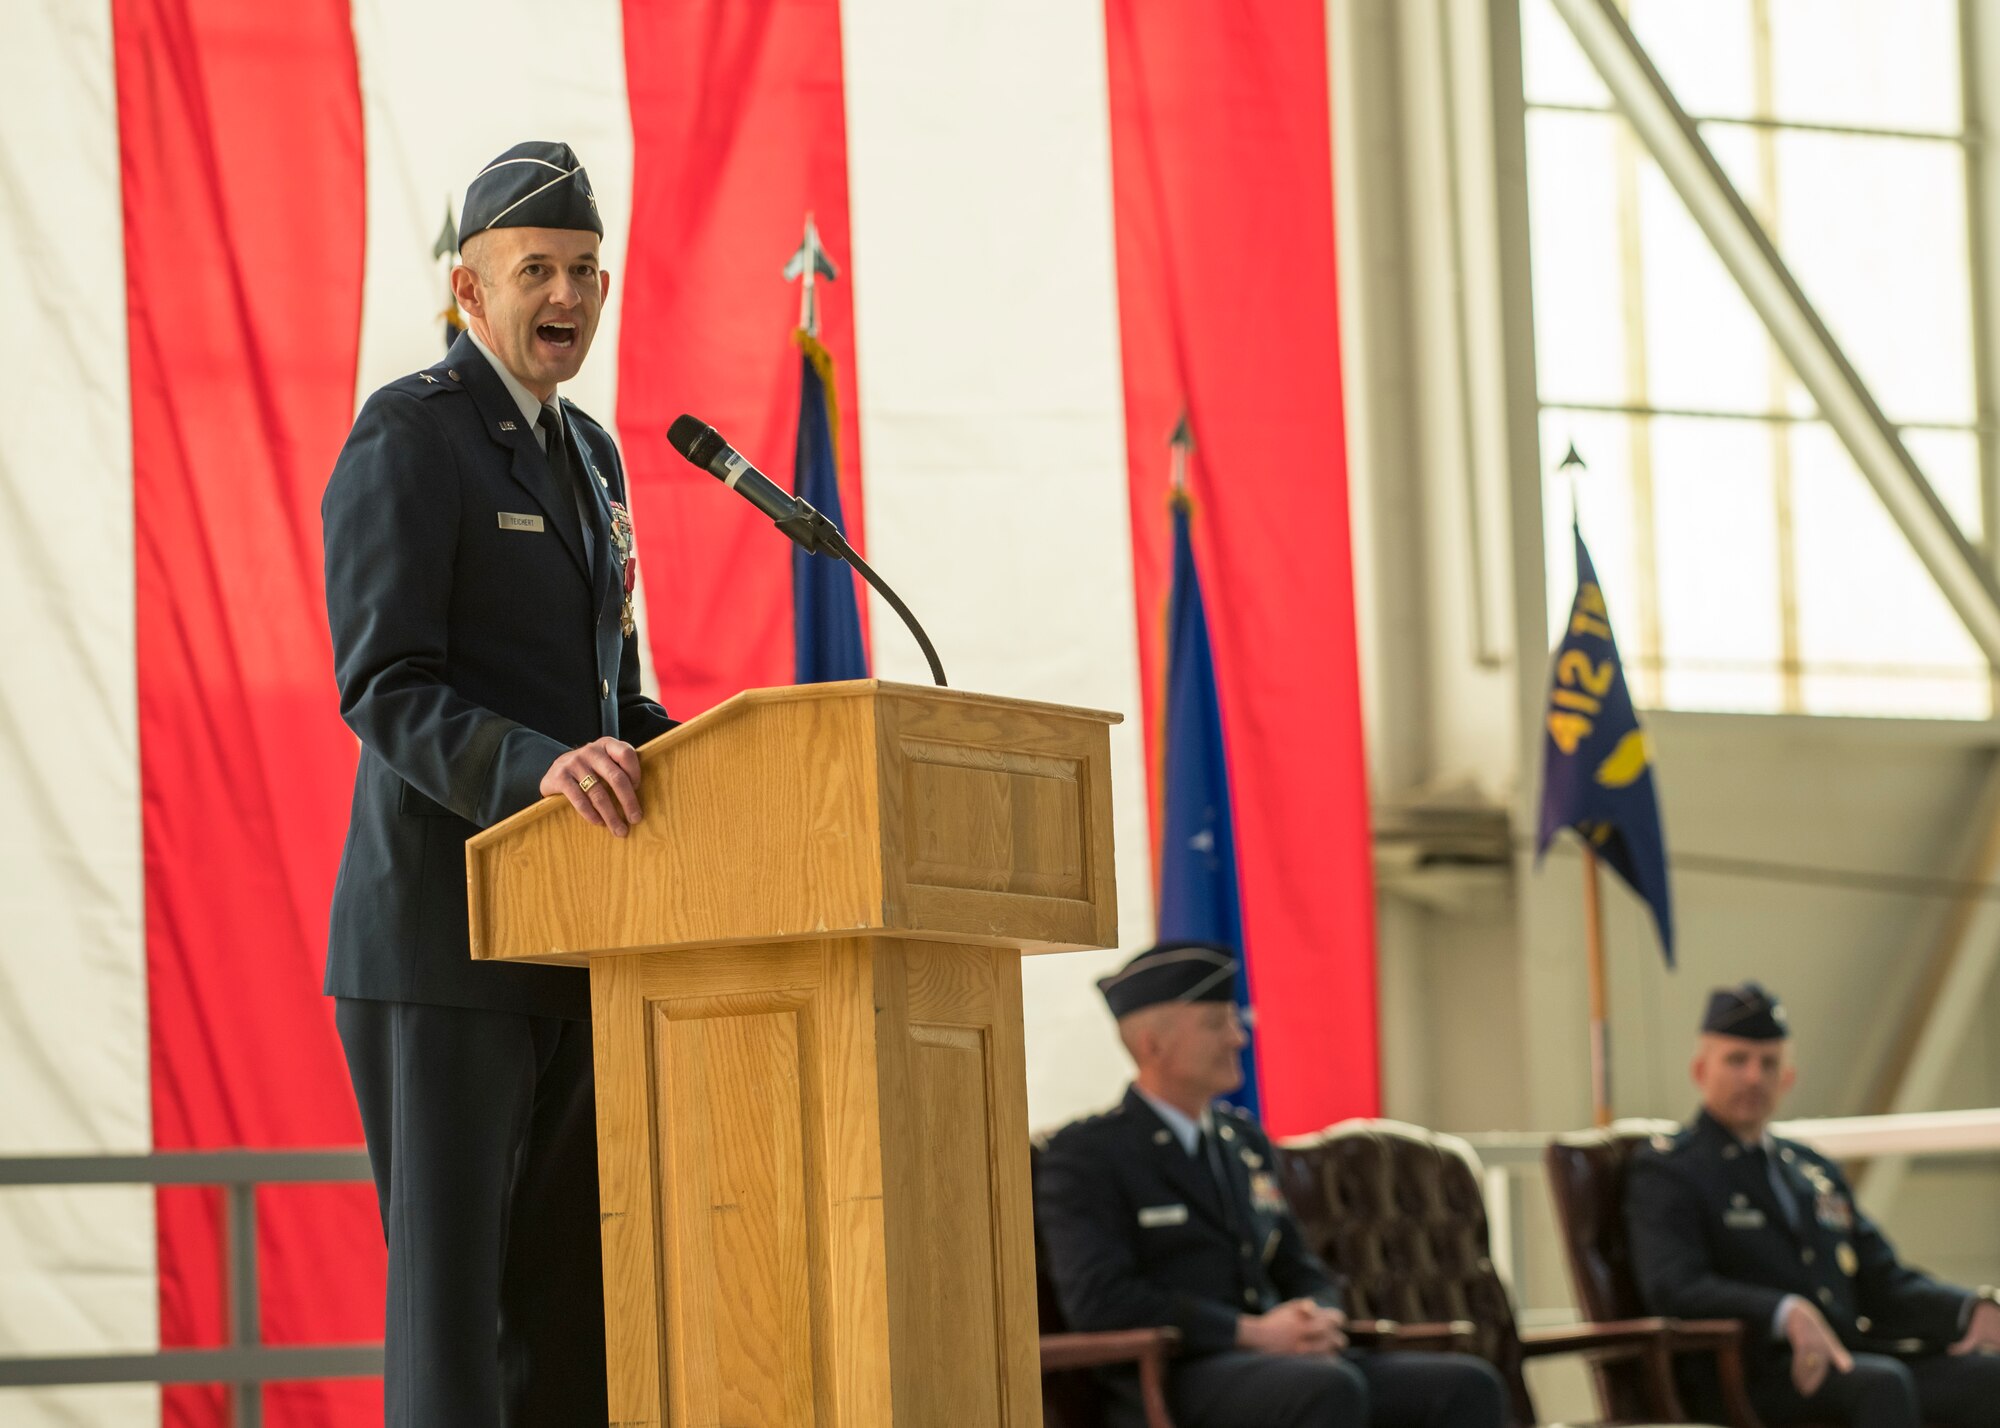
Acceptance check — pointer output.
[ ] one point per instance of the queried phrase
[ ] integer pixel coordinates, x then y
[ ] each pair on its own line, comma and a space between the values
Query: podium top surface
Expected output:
825, 810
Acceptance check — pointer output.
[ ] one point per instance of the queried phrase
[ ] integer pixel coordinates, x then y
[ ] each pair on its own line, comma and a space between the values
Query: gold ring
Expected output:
587, 782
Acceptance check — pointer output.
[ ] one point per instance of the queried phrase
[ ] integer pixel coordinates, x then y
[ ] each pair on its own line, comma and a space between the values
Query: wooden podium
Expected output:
805, 975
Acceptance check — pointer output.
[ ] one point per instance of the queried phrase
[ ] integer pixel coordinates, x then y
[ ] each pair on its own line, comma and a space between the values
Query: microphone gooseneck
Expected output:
702, 445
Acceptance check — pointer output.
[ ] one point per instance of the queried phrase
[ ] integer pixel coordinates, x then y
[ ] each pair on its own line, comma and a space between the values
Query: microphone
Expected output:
703, 445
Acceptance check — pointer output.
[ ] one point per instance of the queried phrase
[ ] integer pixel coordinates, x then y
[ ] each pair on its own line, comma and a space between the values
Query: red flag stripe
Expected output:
739, 129
243, 244
1223, 192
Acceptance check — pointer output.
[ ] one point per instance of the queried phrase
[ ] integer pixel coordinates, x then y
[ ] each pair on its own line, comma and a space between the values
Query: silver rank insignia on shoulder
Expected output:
508, 426
428, 378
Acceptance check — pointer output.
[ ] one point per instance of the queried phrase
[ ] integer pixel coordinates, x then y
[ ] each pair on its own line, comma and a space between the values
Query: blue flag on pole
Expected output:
826, 619
1597, 773
1198, 898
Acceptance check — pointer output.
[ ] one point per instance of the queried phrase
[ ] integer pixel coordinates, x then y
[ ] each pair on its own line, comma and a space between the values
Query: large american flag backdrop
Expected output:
1059, 223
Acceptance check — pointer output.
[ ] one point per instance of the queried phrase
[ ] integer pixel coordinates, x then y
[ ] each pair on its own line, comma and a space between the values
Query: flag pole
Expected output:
1600, 1023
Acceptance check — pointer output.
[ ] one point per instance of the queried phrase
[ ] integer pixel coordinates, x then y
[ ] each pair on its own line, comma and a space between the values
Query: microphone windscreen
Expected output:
688, 435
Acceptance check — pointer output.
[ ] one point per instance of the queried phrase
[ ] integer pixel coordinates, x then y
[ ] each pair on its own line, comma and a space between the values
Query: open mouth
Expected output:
561, 335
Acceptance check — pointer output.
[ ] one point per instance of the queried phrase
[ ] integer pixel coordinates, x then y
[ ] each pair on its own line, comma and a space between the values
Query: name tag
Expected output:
512, 522
1158, 1217
1743, 1219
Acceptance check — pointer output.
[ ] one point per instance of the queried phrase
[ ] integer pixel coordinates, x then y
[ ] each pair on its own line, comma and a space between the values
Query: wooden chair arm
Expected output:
1111, 1346
1724, 1339
1394, 1334
1581, 1338
1148, 1348
1648, 1340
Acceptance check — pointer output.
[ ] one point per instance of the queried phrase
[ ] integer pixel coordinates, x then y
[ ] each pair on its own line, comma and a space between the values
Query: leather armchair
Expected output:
1587, 1179
1399, 1212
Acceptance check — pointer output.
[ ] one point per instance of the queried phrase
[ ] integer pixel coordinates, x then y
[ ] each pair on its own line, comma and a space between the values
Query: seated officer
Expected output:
1726, 1221
1165, 1211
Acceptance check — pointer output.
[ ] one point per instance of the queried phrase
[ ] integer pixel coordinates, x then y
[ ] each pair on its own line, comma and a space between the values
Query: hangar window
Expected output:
1749, 565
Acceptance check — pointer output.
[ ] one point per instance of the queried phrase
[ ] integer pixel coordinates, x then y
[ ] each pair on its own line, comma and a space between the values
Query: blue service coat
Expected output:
474, 643
1709, 1239
1137, 1232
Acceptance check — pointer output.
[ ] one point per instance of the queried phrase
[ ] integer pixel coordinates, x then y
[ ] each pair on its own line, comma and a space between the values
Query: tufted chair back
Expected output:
1587, 1178
1397, 1212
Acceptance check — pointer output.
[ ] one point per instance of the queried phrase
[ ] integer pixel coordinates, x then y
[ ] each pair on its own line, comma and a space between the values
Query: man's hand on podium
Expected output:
601, 780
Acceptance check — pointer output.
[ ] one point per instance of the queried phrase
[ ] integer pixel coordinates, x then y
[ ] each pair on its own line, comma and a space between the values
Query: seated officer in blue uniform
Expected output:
1726, 1221
1165, 1210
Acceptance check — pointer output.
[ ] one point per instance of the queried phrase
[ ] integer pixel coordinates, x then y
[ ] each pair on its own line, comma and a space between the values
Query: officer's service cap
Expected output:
1748, 1011
1171, 972
532, 185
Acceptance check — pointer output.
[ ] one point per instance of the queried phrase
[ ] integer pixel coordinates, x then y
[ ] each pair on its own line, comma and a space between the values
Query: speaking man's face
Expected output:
533, 295
1742, 1082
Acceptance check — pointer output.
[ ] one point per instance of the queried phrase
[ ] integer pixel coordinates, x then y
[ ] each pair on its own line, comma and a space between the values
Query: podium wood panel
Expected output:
849, 1237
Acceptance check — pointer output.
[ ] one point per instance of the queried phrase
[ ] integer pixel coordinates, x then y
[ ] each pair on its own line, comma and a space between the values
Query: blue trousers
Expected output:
1365, 1390
482, 1134
1882, 1392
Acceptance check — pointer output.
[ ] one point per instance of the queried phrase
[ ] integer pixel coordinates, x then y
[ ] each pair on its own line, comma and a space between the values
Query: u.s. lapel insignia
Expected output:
508, 426
428, 378
1252, 1160
1847, 1259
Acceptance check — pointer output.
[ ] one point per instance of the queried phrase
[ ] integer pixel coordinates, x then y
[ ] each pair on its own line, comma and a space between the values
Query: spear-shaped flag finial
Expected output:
1182, 444
809, 263
446, 250
447, 239
1571, 459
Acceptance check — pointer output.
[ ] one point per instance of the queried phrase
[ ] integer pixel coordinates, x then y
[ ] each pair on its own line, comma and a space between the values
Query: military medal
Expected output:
627, 547
1265, 1195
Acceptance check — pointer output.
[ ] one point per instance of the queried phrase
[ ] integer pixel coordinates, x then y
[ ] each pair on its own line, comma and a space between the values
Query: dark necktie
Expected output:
1210, 1150
1788, 1203
565, 473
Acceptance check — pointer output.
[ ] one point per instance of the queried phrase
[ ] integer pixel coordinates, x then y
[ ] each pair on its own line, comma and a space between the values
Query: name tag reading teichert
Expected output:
1158, 1217
509, 521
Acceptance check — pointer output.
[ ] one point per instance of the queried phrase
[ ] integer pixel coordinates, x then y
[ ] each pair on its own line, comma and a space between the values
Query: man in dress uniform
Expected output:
1726, 1221
1165, 1210
477, 561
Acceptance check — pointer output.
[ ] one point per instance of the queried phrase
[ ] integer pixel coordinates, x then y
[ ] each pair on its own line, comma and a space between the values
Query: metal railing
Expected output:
244, 1362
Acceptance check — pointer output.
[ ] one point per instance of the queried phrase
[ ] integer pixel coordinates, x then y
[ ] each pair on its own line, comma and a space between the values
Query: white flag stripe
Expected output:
441, 99
78, 1265
992, 414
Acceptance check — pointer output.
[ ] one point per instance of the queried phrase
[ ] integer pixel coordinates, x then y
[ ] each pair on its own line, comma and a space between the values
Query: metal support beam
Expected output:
1746, 250
1949, 998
